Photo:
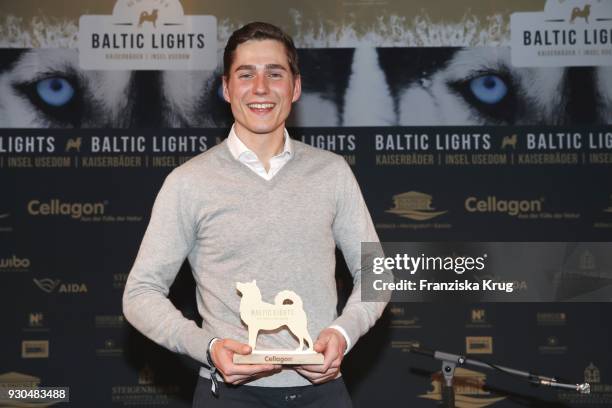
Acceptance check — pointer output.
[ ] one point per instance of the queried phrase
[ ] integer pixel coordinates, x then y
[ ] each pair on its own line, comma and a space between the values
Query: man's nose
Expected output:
260, 87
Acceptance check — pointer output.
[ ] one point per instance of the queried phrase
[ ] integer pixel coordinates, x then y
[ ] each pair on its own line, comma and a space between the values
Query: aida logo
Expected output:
49, 285
415, 206
148, 34
566, 33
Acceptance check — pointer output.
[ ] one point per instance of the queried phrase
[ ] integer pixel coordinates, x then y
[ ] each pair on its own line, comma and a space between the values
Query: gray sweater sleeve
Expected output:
352, 226
168, 240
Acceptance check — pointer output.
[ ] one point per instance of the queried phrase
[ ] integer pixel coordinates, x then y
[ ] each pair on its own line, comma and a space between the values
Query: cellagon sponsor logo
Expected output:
493, 204
566, 33
145, 35
57, 207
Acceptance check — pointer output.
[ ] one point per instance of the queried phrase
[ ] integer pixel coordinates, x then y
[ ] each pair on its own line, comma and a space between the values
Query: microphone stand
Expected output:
451, 361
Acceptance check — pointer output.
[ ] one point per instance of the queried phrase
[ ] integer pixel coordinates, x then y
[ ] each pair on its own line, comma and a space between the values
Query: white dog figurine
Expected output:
259, 315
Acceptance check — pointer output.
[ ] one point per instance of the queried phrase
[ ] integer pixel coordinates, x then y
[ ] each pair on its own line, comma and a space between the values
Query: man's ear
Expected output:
225, 90
297, 88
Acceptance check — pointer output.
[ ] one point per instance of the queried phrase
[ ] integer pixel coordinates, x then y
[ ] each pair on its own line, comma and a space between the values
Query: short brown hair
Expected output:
259, 31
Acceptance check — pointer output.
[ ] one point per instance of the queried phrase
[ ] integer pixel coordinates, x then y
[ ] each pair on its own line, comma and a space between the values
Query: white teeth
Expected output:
261, 105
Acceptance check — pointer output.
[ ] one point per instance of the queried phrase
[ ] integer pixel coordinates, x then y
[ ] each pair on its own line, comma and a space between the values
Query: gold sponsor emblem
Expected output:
509, 141
469, 389
35, 349
148, 16
478, 316
591, 374
479, 345
583, 12
74, 143
146, 376
414, 205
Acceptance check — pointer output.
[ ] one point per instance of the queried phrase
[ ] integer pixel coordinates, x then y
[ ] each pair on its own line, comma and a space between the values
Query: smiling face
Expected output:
260, 87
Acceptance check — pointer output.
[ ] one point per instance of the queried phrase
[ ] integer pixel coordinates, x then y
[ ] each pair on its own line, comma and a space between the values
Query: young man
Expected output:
258, 206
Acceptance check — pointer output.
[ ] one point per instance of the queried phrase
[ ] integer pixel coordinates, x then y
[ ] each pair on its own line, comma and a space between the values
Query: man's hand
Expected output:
332, 344
222, 354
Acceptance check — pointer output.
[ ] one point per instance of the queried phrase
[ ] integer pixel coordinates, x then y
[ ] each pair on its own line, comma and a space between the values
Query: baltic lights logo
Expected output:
415, 206
145, 35
566, 33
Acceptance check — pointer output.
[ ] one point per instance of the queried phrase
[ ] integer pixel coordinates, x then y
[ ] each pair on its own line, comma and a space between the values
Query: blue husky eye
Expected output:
55, 91
489, 89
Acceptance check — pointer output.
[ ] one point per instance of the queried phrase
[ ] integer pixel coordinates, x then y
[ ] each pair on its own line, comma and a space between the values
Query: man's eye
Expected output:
275, 75
55, 91
245, 76
489, 89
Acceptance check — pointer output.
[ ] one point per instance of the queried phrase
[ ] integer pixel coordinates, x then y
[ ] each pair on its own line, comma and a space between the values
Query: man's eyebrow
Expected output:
253, 67
275, 66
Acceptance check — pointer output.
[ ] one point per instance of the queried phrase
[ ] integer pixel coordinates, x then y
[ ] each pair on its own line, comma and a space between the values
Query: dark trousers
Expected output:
332, 394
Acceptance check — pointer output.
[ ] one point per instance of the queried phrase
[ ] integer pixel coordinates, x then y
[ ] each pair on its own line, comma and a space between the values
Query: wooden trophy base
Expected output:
285, 357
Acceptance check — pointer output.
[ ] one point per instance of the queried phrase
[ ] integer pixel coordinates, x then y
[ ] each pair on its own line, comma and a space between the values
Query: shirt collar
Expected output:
238, 148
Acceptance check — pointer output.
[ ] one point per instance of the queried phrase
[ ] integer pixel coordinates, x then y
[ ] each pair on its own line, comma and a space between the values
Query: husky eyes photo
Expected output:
46, 88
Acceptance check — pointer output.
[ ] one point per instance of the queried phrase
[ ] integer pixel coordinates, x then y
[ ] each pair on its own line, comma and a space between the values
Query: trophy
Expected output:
259, 315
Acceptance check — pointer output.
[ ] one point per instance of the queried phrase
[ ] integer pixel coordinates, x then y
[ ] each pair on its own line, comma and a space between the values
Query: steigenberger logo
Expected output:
566, 33
145, 35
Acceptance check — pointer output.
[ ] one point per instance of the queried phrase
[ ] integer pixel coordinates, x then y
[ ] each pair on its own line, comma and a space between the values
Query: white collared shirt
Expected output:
247, 157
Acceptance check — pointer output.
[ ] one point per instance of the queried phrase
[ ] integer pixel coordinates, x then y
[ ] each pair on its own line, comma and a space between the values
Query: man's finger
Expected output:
324, 378
248, 369
321, 343
236, 346
331, 353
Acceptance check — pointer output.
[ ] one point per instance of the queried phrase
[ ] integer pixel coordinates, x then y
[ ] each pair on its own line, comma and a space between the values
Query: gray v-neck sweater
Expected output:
234, 226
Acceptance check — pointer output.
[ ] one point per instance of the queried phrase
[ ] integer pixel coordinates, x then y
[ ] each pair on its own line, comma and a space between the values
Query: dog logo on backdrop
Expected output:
581, 12
509, 141
259, 315
146, 16
73, 144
